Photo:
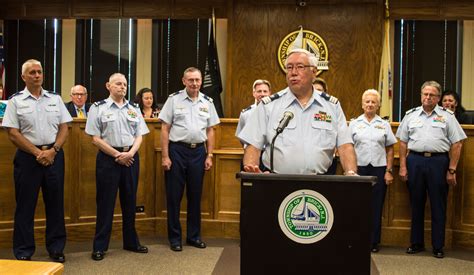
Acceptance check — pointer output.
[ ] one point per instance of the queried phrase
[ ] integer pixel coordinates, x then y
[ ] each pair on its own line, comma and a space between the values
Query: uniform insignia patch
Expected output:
203, 109
439, 119
131, 113
208, 98
97, 103
322, 116
330, 98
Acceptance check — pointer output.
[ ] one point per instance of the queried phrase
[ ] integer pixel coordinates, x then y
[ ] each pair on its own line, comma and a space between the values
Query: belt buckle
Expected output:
427, 154
44, 148
192, 145
126, 148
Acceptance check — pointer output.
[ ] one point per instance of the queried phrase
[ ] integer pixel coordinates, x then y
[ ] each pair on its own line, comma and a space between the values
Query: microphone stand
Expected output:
272, 148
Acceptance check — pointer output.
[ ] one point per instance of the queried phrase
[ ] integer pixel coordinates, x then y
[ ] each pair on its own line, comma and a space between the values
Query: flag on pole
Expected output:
2, 66
385, 76
212, 84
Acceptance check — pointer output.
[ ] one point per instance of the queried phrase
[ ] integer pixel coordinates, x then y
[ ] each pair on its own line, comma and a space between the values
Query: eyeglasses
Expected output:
298, 67
429, 95
78, 94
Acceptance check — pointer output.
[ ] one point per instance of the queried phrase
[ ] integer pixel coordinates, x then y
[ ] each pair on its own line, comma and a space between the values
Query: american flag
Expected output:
2, 66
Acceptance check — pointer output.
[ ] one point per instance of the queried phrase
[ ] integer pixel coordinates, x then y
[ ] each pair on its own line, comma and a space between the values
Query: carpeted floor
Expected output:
222, 256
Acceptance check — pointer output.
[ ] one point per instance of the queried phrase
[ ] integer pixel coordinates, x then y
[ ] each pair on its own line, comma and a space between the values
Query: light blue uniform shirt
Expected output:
244, 116
307, 144
435, 133
37, 119
370, 140
189, 120
117, 126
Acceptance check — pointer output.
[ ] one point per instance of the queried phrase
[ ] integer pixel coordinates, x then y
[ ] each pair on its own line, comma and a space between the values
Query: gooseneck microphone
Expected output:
287, 116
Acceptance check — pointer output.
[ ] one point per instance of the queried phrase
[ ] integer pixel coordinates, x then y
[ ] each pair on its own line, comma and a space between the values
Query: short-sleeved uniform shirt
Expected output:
370, 140
117, 125
434, 133
189, 119
37, 119
306, 146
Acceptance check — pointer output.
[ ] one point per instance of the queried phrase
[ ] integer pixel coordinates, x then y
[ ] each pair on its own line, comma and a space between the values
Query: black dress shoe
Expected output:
415, 248
375, 248
196, 243
176, 247
138, 249
438, 253
57, 257
24, 258
98, 255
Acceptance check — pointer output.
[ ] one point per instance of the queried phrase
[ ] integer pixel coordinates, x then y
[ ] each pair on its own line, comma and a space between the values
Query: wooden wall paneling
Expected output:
221, 197
94, 9
353, 34
147, 8
226, 134
227, 203
7, 186
47, 9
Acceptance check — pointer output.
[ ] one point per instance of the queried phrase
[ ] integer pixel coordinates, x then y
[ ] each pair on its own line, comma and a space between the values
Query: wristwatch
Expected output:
390, 170
56, 148
210, 155
452, 171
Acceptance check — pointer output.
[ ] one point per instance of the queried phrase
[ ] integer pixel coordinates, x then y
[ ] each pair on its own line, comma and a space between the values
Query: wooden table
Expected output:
30, 267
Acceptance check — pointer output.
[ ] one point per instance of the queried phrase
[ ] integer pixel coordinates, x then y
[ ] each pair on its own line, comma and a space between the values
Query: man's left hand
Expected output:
125, 158
451, 178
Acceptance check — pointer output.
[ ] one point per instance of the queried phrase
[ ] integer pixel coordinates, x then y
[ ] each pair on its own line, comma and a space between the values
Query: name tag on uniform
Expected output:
108, 117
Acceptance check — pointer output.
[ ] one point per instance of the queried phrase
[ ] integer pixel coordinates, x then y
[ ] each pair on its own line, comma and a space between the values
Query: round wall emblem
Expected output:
305, 216
307, 40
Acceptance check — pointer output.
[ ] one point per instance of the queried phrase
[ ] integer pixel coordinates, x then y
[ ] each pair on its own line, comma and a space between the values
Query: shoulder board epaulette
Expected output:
135, 105
411, 110
387, 118
354, 118
330, 98
97, 103
246, 109
173, 94
208, 98
15, 94
448, 110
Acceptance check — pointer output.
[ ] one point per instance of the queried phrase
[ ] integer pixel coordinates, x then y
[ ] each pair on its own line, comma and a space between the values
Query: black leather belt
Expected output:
45, 147
189, 145
123, 149
428, 154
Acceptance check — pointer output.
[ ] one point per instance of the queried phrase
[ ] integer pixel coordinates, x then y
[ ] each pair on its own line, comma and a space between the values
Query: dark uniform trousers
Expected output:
187, 168
111, 177
29, 177
378, 197
428, 173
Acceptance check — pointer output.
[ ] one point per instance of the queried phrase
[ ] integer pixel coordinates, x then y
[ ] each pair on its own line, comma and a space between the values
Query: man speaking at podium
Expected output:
308, 123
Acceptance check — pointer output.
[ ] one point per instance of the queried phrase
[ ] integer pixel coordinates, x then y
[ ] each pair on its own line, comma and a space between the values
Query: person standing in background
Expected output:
36, 122
147, 104
78, 107
373, 143
430, 147
260, 89
187, 140
116, 127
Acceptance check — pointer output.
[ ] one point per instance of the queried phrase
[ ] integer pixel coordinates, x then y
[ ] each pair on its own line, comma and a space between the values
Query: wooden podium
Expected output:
305, 223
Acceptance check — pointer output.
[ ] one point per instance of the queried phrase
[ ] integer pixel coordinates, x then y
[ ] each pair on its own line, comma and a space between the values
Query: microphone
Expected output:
287, 116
